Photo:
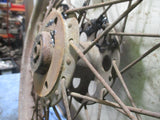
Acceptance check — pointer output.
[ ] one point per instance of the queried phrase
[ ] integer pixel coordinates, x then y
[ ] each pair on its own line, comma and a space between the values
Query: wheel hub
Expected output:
52, 58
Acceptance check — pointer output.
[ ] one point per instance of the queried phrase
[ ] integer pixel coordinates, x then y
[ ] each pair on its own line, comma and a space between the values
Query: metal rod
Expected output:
64, 95
134, 34
86, 111
70, 101
59, 3
87, 2
100, 105
105, 11
115, 105
112, 25
76, 114
125, 86
102, 81
51, 4
55, 3
140, 58
95, 6
121, 111
125, 21
57, 114
33, 114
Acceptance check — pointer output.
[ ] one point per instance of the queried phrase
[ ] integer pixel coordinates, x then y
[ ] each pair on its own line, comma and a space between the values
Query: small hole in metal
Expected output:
76, 82
70, 39
46, 84
56, 19
70, 25
110, 78
92, 88
106, 63
35, 49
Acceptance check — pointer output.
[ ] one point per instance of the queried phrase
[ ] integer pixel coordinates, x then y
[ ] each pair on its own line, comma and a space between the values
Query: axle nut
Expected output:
41, 53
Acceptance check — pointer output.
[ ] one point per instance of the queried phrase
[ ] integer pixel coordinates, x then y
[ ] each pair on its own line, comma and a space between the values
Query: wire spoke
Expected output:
102, 81
95, 6
115, 105
125, 86
58, 3
100, 105
82, 15
125, 21
64, 95
57, 114
51, 4
70, 101
76, 114
140, 58
86, 111
134, 34
112, 25
104, 12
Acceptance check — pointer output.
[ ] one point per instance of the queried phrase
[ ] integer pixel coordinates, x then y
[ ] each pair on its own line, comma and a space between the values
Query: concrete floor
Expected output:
9, 92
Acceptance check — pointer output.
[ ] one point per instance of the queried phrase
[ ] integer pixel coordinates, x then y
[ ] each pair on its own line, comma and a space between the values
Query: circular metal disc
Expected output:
63, 59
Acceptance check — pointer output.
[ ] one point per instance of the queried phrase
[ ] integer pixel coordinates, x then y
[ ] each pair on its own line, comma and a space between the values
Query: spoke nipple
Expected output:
68, 61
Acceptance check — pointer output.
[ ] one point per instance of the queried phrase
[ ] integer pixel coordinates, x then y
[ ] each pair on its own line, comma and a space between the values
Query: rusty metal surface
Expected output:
44, 82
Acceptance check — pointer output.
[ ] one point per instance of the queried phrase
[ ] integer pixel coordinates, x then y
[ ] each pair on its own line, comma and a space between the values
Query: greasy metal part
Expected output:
109, 28
65, 98
140, 58
125, 86
103, 81
95, 25
115, 105
134, 34
95, 6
